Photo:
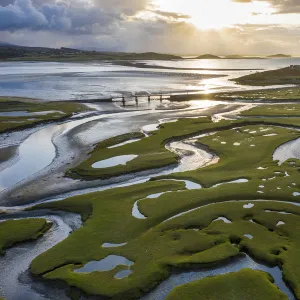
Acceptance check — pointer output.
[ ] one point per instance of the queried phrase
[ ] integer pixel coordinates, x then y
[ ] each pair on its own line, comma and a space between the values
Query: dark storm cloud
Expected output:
69, 16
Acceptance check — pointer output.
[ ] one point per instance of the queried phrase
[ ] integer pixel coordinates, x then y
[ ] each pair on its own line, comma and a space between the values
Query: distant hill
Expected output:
279, 56
4, 44
236, 56
23, 53
208, 56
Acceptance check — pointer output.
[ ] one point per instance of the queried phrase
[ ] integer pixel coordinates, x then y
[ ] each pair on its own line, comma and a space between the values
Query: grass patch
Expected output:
246, 284
289, 75
165, 239
151, 150
58, 110
283, 110
279, 94
16, 231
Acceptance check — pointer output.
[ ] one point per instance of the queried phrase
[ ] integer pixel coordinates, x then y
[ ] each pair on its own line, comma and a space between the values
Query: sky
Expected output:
186, 27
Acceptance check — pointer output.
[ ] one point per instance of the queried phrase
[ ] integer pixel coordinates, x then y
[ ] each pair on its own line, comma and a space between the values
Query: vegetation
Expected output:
282, 94
169, 238
289, 75
16, 231
281, 110
151, 150
246, 284
21, 53
57, 111
279, 56
208, 56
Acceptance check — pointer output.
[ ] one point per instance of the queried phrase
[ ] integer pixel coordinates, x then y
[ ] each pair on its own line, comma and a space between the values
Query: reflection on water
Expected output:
114, 161
27, 114
99, 80
287, 151
165, 288
106, 264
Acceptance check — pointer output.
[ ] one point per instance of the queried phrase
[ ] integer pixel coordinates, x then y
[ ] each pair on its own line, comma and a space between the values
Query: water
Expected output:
27, 114
124, 143
114, 161
178, 279
287, 151
106, 264
89, 80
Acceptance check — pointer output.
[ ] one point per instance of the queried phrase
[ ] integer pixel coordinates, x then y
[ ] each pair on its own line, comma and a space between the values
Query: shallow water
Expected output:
114, 161
242, 180
287, 151
110, 245
123, 274
15, 263
27, 114
178, 279
124, 143
92, 80
106, 264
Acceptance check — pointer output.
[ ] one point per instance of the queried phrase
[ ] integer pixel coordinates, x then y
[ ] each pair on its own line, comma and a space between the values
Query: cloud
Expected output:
68, 16
281, 6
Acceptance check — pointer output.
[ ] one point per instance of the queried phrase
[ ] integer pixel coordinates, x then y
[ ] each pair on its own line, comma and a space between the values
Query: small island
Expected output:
279, 56
208, 56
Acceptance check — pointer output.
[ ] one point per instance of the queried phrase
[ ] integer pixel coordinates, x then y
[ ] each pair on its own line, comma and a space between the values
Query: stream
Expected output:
39, 152
15, 280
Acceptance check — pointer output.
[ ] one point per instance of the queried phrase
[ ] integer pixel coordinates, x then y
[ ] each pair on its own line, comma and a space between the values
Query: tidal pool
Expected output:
110, 245
106, 264
242, 180
136, 212
114, 161
180, 278
124, 143
287, 151
27, 113
225, 220
123, 274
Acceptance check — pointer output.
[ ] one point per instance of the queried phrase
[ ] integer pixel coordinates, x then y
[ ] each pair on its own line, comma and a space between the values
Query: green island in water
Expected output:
239, 207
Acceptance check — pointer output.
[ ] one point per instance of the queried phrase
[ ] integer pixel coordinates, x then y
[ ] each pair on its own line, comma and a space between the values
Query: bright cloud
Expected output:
177, 26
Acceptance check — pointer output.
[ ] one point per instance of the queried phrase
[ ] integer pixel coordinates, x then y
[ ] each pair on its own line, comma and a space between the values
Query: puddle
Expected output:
192, 185
123, 274
280, 223
106, 264
153, 196
150, 128
225, 220
261, 186
109, 245
124, 143
136, 212
287, 151
28, 114
248, 206
262, 168
296, 194
162, 291
242, 180
249, 236
271, 134
237, 144
114, 161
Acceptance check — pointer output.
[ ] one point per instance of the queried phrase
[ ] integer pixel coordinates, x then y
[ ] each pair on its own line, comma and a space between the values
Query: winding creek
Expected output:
43, 147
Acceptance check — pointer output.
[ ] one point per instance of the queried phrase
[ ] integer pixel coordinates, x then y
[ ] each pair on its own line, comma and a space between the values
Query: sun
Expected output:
214, 14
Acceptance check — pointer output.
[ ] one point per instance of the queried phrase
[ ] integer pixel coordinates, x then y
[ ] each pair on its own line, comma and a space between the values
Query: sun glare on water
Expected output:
215, 14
